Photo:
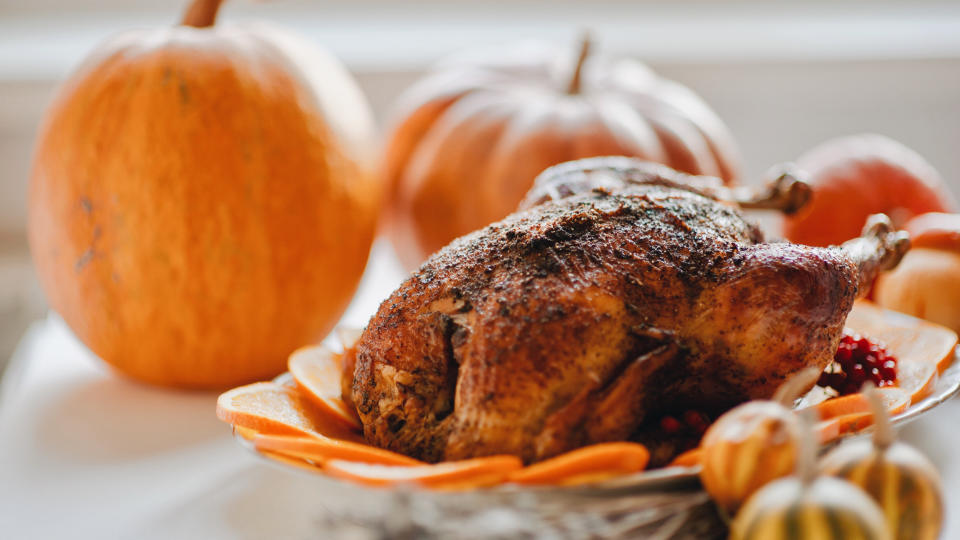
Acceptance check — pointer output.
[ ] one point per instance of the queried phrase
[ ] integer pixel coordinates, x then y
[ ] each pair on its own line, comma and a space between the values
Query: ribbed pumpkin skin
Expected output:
201, 203
900, 479
468, 140
745, 449
826, 509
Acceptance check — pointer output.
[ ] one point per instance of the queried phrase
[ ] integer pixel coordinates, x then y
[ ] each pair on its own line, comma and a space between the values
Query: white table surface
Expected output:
87, 454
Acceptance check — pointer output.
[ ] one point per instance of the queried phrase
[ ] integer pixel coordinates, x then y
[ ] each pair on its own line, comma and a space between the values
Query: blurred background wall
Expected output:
784, 75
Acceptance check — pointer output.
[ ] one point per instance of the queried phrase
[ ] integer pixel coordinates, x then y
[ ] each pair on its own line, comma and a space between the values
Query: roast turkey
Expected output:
620, 292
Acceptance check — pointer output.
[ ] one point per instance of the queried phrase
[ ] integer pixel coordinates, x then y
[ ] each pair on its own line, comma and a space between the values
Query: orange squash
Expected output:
468, 140
202, 200
927, 282
856, 176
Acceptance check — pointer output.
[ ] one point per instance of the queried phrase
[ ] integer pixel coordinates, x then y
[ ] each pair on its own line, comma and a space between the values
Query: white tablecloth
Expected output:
87, 454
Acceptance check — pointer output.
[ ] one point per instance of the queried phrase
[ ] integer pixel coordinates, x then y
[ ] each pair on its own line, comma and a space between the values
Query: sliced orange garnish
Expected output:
271, 408
827, 430
317, 371
244, 432
922, 349
908, 338
586, 465
895, 399
323, 450
850, 414
844, 424
851, 423
466, 474
294, 462
690, 458
917, 379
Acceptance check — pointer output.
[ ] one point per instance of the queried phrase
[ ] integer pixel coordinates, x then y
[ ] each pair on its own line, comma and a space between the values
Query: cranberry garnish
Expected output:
857, 361
697, 421
889, 370
670, 425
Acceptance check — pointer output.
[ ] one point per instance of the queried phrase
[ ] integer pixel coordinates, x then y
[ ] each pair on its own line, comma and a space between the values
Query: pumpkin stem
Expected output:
792, 388
585, 44
201, 13
883, 436
808, 445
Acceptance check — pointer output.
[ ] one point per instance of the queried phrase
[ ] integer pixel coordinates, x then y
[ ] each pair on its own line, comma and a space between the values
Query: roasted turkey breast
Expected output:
623, 292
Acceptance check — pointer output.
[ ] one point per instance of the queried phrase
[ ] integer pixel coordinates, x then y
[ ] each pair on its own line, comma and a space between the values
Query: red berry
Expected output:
889, 370
856, 361
696, 421
670, 425
858, 375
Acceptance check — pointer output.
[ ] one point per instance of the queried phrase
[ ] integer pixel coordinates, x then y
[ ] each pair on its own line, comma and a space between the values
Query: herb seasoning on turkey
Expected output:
620, 292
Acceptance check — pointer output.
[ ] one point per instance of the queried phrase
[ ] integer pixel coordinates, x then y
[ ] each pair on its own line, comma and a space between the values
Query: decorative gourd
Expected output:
825, 508
898, 477
809, 507
926, 283
857, 176
469, 139
202, 201
752, 444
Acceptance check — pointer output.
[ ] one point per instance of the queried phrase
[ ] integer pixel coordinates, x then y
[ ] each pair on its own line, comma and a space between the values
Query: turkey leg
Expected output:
879, 247
788, 193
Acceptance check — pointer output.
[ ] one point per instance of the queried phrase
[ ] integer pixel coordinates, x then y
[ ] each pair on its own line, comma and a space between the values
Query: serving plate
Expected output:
661, 503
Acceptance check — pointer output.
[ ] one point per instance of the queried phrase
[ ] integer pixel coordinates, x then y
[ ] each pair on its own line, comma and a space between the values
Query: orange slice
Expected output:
586, 465
690, 458
323, 450
246, 433
294, 462
909, 339
467, 474
895, 399
317, 372
923, 349
827, 430
852, 423
917, 379
271, 408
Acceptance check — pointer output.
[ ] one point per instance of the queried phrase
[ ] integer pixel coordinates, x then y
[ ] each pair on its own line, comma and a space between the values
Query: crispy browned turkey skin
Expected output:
581, 319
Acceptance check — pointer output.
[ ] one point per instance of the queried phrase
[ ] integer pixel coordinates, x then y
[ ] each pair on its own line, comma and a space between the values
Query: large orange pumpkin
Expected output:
469, 139
856, 176
201, 200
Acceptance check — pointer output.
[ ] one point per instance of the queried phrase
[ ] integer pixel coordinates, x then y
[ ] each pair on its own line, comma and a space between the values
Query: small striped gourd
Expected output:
807, 507
826, 508
897, 476
751, 445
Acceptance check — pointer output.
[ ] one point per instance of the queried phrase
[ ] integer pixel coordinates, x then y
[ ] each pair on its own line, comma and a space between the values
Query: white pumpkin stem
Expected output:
807, 447
883, 435
575, 78
201, 13
795, 386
